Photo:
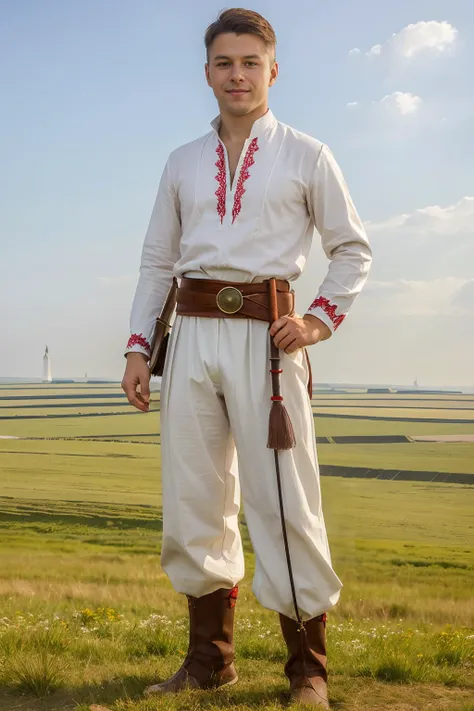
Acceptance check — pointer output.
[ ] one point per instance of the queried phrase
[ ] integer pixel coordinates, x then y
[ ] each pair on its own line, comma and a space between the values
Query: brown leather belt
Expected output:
234, 299
229, 299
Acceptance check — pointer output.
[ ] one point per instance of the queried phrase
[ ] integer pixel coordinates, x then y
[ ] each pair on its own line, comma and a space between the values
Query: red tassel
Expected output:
281, 434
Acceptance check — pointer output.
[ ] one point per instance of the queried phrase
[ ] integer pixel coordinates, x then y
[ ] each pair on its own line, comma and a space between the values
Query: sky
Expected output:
96, 94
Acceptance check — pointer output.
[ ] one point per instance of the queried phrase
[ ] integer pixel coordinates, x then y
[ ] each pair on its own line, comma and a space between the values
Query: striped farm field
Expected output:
61, 402
101, 412
395, 403
398, 412
421, 456
438, 396
333, 426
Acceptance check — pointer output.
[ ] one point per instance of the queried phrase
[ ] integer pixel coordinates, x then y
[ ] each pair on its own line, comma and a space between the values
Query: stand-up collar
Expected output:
260, 126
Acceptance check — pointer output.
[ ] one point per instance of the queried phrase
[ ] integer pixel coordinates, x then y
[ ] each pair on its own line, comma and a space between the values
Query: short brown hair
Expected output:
240, 21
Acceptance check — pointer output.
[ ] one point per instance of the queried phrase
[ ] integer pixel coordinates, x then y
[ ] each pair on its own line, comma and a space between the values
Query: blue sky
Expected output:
95, 95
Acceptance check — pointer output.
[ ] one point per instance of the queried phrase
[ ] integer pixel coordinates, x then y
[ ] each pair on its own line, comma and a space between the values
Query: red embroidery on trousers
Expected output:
138, 339
243, 177
329, 309
221, 179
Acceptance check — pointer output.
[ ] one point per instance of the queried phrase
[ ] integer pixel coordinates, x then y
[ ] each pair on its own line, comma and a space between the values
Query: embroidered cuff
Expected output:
324, 310
137, 343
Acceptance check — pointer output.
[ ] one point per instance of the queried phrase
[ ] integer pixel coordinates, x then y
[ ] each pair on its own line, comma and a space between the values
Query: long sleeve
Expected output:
343, 239
160, 252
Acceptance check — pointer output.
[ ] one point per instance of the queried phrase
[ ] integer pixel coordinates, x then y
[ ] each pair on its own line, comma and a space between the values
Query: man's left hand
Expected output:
292, 332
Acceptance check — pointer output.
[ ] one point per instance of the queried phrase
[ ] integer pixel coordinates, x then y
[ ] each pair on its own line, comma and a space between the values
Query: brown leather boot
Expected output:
306, 667
209, 662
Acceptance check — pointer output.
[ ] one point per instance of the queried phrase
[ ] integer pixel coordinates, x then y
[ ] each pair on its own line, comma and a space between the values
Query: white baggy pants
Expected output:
215, 404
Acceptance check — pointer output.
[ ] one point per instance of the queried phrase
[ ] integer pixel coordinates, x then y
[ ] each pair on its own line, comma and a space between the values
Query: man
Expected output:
236, 209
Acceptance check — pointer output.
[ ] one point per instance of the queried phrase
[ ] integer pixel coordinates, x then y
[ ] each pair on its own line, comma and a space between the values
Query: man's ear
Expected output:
206, 70
273, 74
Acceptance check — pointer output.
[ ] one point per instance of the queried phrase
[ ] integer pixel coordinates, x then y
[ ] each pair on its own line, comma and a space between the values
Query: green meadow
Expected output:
87, 617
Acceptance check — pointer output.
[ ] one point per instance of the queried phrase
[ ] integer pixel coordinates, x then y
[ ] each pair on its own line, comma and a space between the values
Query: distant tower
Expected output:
47, 367
415, 382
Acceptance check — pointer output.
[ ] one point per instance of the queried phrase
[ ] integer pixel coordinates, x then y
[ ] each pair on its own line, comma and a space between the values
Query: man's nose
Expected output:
236, 73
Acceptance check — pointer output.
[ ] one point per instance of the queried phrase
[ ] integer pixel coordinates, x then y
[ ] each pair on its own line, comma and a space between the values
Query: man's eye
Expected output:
223, 64
253, 64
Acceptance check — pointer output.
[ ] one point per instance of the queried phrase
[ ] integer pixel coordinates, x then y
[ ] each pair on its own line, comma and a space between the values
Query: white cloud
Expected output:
403, 102
375, 50
435, 297
434, 36
464, 299
352, 104
426, 244
433, 220
425, 36
354, 52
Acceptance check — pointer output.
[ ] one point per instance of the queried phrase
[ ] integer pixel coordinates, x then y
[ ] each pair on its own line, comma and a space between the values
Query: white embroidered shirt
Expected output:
286, 184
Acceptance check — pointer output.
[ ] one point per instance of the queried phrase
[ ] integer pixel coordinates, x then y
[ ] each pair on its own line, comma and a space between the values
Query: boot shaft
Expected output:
306, 647
211, 627
209, 661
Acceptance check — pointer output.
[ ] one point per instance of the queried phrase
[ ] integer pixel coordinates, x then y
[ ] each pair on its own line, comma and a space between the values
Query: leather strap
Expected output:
213, 286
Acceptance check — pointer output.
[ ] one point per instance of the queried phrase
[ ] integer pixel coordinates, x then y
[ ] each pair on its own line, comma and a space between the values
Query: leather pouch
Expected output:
161, 335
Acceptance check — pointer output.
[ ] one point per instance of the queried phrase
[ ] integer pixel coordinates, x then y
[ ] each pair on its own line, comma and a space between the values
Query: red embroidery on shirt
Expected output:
221, 179
138, 339
244, 175
328, 308
232, 596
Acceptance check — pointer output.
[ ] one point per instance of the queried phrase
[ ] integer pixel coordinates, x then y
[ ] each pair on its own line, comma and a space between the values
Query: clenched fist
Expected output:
293, 332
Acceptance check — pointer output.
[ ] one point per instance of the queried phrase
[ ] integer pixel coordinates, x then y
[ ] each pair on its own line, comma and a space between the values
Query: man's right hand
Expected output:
137, 372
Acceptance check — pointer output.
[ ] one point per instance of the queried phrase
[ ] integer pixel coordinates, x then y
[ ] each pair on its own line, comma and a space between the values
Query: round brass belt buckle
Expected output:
229, 300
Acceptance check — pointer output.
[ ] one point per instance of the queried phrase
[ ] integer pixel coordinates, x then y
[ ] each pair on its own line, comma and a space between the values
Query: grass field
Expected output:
87, 616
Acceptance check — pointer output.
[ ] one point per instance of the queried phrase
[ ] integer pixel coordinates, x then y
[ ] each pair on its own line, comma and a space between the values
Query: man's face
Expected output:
240, 71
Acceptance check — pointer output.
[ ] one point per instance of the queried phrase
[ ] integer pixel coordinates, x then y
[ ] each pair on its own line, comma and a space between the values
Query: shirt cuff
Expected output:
137, 343
326, 312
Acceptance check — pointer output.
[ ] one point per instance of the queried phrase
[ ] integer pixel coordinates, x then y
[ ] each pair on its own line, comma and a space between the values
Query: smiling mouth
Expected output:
237, 91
